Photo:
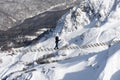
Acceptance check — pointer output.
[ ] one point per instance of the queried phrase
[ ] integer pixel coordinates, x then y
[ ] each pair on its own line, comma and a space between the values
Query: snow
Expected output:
91, 63
112, 65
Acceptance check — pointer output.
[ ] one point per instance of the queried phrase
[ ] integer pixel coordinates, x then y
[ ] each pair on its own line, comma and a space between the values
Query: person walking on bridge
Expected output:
56, 42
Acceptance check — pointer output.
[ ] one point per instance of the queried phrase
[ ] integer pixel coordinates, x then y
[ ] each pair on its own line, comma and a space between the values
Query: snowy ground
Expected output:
92, 63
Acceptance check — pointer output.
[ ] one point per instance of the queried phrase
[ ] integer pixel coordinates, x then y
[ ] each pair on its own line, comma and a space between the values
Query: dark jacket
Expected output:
57, 39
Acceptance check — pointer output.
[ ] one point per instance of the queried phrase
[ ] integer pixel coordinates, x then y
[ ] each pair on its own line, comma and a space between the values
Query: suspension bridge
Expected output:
47, 49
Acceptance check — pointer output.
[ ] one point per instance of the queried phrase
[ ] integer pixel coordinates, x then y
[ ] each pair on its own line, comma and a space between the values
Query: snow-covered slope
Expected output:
92, 22
13, 12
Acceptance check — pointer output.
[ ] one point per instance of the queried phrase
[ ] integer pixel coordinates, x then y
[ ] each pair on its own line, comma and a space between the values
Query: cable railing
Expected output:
47, 49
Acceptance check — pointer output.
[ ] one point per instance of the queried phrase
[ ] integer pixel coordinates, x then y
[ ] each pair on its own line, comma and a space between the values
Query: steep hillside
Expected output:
88, 50
13, 12
20, 17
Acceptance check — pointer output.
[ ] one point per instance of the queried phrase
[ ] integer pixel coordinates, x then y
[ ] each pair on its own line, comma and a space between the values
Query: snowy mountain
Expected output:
88, 50
18, 17
14, 12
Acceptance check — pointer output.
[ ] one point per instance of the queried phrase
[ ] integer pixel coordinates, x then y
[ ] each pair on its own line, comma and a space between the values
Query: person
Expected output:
56, 42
